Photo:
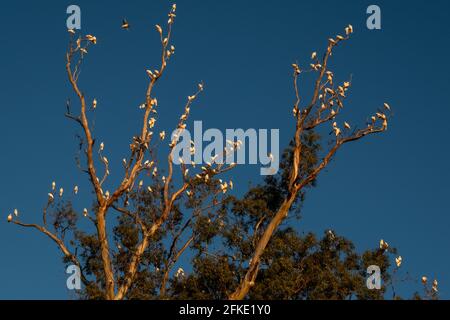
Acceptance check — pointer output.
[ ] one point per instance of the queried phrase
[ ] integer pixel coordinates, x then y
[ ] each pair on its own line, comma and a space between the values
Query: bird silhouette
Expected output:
125, 24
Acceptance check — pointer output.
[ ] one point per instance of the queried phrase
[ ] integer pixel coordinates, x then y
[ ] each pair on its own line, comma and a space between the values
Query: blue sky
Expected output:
392, 186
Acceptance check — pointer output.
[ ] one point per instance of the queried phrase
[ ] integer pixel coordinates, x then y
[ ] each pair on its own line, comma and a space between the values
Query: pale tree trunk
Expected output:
105, 254
307, 120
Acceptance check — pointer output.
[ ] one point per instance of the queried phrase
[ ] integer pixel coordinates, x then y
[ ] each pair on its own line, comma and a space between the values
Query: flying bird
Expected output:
125, 24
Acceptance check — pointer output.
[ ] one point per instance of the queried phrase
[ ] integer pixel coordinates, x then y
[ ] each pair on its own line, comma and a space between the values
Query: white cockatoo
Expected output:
398, 261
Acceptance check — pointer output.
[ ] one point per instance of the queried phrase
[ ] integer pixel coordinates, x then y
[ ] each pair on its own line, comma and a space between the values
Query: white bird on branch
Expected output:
381, 115
337, 131
159, 29
434, 287
383, 244
331, 234
349, 29
398, 261
152, 122
180, 273
91, 38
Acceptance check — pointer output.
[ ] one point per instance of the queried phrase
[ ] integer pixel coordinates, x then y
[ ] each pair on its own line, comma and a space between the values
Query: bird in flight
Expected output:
125, 24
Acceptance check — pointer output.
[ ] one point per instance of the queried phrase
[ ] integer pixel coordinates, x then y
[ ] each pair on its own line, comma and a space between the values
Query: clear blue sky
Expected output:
394, 186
